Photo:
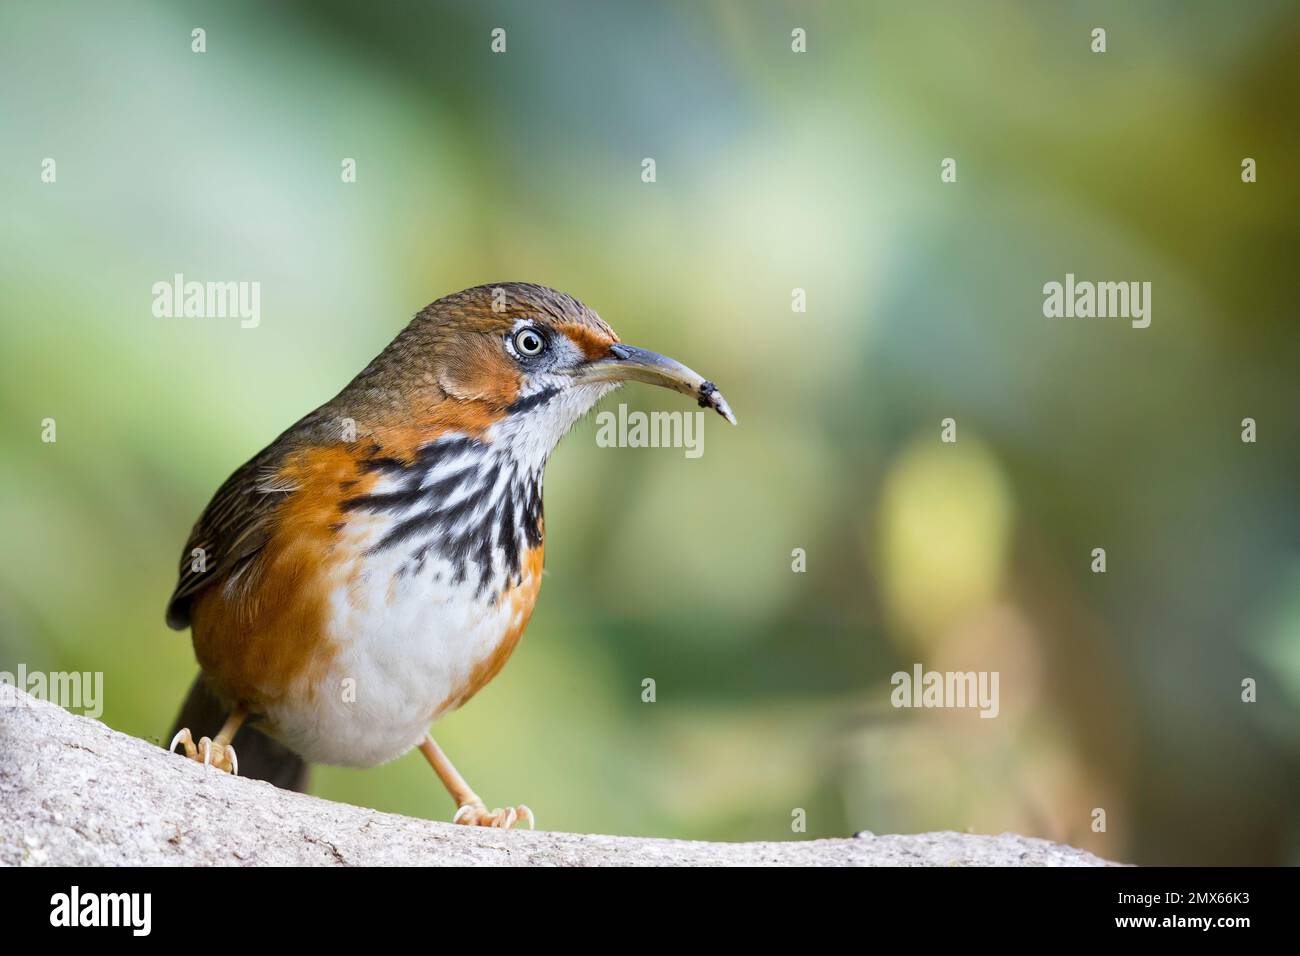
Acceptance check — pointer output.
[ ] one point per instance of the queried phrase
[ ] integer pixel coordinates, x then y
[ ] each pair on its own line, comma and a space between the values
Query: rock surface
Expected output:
75, 792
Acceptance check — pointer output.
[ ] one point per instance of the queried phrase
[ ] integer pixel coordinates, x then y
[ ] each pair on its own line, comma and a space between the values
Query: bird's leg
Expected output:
470, 808
214, 752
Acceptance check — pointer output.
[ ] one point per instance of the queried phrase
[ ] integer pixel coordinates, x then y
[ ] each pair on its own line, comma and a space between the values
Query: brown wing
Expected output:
233, 528
238, 521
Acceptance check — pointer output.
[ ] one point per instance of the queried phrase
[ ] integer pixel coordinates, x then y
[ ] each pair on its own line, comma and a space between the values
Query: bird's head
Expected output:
528, 362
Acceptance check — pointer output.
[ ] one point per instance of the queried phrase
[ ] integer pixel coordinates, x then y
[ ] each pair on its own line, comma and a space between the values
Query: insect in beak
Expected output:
627, 363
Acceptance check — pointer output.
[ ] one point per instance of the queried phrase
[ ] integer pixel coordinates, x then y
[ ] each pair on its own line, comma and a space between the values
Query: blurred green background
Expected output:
775, 171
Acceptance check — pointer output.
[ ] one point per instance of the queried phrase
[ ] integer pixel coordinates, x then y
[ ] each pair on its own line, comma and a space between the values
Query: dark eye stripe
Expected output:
540, 397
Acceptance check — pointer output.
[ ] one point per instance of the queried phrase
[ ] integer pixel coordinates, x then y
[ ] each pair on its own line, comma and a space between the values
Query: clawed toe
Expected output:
478, 815
208, 752
183, 737
471, 811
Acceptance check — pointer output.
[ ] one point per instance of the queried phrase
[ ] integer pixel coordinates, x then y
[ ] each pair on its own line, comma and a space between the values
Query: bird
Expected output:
375, 565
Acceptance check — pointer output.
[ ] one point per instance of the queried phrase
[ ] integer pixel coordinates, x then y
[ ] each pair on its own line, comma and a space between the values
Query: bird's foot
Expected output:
476, 814
209, 752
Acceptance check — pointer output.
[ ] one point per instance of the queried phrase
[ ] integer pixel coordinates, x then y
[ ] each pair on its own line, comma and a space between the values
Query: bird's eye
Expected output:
529, 343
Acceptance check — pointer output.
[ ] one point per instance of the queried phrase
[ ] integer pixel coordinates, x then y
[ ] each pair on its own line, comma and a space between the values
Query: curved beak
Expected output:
627, 363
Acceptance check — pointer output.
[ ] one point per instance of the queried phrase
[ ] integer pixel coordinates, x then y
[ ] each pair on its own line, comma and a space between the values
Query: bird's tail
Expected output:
260, 757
